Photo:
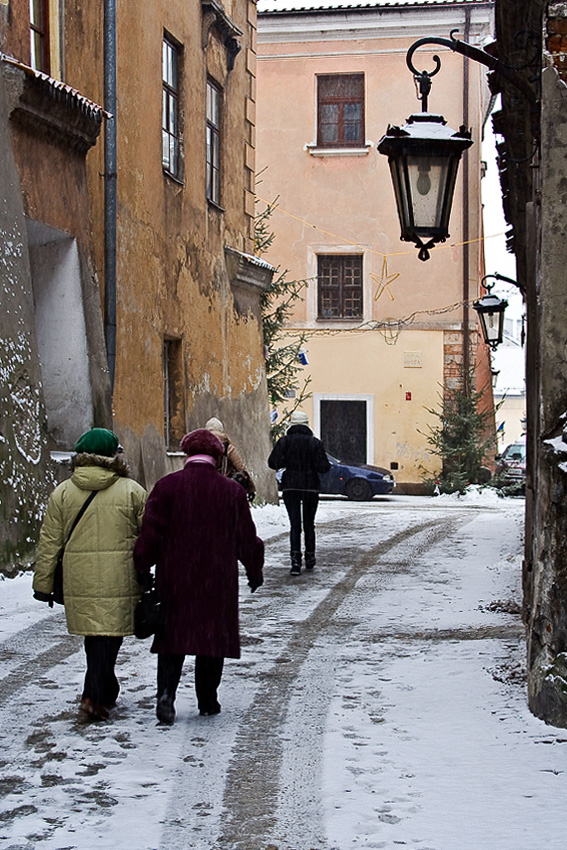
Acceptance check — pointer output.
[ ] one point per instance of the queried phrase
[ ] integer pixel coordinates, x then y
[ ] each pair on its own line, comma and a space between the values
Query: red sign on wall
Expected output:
408, 396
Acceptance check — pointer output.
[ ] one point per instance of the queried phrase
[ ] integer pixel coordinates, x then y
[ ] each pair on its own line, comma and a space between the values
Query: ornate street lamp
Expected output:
490, 311
424, 157
424, 154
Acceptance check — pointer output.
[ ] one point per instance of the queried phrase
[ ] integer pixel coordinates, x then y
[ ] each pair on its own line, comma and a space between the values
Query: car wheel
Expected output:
358, 490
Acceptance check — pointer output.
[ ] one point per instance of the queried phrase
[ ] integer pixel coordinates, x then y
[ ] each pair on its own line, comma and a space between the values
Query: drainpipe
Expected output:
110, 187
466, 222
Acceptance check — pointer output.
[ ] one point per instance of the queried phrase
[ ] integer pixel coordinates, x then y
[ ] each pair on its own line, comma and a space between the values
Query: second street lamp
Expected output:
490, 311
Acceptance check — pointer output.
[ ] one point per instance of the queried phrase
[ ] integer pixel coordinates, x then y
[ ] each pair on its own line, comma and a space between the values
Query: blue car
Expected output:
357, 481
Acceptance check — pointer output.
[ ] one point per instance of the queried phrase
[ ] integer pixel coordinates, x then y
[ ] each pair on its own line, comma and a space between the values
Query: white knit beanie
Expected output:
298, 417
214, 424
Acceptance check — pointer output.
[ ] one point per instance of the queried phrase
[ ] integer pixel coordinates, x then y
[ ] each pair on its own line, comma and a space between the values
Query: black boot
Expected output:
164, 709
295, 563
309, 560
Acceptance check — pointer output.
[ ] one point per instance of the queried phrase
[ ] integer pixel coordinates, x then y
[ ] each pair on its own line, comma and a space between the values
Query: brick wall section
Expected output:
556, 41
452, 359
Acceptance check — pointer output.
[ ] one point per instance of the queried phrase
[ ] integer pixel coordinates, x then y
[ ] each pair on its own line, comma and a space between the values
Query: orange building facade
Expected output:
188, 335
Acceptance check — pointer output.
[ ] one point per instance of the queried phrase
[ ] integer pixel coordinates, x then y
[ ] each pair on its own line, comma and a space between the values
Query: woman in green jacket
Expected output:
99, 581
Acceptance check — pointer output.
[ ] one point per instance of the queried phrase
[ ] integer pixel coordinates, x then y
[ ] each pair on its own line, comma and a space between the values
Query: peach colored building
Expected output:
385, 331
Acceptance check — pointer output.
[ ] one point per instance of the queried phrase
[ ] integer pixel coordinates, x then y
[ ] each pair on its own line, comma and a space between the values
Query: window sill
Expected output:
351, 320
215, 206
359, 150
173, 177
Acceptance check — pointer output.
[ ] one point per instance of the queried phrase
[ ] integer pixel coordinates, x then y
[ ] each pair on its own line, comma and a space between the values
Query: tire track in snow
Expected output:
253, 788
31, 644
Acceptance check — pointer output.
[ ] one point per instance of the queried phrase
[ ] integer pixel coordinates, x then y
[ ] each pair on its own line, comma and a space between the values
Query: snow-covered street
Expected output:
379, 703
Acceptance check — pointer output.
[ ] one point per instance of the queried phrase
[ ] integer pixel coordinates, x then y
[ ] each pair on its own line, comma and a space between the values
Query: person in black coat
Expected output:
303, 458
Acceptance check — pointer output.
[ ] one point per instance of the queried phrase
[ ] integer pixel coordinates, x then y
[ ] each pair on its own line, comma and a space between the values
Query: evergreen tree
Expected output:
283, 365
460, 440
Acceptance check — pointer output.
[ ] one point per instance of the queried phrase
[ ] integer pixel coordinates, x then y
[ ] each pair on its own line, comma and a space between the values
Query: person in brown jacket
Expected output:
231, 463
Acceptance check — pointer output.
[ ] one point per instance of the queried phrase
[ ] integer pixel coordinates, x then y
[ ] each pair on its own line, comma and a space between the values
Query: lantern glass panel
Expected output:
427, 179
492, 324
398, 180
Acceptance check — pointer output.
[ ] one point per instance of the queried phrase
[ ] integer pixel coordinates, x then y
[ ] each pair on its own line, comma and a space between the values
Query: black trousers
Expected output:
300, 502
208, 674
101, 685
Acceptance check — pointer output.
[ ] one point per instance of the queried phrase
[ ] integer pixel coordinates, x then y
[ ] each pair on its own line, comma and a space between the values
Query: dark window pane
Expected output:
36, 13
329, 113
329, 134
340, 287
342, 86
352, 132
352, 111
36, 50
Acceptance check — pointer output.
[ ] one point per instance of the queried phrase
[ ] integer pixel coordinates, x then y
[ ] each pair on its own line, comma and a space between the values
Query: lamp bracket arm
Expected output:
498, 276
471, 52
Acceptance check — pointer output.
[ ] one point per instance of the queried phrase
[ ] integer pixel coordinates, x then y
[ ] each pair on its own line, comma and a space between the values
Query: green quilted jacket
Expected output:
99, 580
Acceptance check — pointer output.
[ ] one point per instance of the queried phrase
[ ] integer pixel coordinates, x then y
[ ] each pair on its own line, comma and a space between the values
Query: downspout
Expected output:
110, 187
466, 220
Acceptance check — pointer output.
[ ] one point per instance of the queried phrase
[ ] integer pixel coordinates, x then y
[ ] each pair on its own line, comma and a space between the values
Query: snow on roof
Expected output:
275, 6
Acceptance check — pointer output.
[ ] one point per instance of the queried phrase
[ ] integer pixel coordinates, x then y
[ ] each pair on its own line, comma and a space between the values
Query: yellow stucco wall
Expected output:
363, 366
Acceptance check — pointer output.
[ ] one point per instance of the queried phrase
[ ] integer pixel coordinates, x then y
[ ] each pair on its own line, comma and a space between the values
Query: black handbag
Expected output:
57, 592
149, 615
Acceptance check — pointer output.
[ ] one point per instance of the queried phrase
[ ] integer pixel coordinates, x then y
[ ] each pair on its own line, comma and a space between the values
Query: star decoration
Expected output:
384, 281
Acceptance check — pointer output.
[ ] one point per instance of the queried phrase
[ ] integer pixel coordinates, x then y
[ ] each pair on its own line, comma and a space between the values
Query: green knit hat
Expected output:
97, 441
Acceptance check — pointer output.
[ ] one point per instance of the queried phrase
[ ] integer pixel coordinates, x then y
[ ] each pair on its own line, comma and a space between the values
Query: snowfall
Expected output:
380, 702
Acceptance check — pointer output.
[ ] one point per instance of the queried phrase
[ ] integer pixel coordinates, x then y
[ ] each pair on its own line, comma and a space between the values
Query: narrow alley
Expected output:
379, 702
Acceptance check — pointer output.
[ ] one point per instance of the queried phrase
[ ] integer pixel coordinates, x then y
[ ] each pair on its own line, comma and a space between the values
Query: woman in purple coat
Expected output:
197, 525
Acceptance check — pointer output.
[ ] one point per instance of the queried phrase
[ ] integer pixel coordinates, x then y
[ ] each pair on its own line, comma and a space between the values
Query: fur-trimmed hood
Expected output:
115, 464
97, 472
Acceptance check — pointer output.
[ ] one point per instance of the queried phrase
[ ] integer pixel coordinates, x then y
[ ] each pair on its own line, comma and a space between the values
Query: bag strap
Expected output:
83, 508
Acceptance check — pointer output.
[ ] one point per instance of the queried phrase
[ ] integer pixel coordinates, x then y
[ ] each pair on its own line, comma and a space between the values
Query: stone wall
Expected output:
25, 477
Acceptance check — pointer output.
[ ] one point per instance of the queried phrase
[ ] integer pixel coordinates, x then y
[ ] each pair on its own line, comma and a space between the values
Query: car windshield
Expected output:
333, 459
517, 451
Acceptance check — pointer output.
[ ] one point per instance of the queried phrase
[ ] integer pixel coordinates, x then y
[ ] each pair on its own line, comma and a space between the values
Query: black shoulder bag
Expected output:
149, 613
58, 574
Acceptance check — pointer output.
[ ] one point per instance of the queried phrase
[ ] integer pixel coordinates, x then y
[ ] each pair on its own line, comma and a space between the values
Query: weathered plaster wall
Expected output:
173, 280
25, 479
49, 142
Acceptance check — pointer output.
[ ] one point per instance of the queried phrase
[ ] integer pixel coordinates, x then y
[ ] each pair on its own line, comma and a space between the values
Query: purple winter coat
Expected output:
197, 526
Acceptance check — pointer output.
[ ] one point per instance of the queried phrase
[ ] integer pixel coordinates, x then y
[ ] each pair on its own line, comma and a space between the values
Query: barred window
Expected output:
170, 132
340, 110
339, 286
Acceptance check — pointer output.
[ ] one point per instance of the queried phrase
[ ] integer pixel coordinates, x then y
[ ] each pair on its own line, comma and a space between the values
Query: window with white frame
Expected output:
340, 110
214, 100
339, 286
170, 132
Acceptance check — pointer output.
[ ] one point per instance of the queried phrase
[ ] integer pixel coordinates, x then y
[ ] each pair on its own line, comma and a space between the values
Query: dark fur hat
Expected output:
202, 442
